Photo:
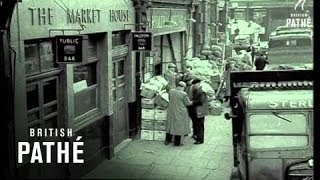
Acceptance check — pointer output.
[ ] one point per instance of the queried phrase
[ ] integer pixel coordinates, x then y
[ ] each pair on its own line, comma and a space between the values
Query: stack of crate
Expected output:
159, 124
153, 121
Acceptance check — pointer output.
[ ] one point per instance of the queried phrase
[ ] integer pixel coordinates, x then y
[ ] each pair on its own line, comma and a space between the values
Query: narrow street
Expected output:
142, 159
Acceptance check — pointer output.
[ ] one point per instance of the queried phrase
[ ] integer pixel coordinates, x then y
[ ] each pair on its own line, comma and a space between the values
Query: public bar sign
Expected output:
141, 41
69, 49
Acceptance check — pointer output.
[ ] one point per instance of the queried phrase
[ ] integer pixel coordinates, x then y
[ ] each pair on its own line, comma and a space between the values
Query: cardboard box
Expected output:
147, 124
147, 103
159, 125
147, 135
160, 115
159, 135
147, 114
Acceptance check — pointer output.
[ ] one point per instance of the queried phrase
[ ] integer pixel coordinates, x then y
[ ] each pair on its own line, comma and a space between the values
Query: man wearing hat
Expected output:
198, 110
177, 123
171, 76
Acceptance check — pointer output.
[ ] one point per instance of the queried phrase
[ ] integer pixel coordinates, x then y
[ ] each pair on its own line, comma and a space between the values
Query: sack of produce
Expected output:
216, 48
206, 52
202, 57
206, 88
213, 57
217, 53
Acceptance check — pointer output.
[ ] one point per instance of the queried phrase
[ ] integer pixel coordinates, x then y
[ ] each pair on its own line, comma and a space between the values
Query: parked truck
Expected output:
291, 48
272, 124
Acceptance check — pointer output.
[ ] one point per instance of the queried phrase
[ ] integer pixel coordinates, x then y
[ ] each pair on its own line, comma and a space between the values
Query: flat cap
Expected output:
195, 81
182, 84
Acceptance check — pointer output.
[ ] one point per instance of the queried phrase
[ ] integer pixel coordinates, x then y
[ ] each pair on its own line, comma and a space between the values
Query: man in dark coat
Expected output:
198, 110
260, 62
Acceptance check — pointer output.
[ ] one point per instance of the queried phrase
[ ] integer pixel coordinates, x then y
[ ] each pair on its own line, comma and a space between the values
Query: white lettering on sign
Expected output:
69, 58
141, 35
291, 104
69, 41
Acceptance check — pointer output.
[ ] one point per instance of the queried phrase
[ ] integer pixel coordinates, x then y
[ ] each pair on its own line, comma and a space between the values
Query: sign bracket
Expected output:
63, 30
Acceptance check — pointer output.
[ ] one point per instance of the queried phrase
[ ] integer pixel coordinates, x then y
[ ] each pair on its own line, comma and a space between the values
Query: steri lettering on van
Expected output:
284, 104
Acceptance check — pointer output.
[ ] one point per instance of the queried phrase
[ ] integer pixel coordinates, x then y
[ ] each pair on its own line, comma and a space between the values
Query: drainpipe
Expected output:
205, 10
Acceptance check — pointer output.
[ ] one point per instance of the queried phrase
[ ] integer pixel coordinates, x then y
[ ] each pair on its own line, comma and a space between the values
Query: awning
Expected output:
167, 30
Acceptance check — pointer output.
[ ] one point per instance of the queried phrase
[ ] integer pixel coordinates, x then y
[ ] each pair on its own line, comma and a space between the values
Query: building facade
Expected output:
90, 97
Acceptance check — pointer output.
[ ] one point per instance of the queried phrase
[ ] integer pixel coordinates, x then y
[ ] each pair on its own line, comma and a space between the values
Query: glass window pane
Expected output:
119, 38
270, 123
86, 72
50, 91
262, 142
33, 116
51, 122
121, 68
114, 70
46, 56
85, 101
92, 47
32, 64
32, 96
50, 109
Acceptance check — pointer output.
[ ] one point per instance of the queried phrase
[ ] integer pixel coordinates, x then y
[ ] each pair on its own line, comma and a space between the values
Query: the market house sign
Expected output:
119, 15
45, 16
83, 15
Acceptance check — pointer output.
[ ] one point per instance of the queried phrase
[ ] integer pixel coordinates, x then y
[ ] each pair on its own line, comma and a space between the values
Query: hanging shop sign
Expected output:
141, 41
69, 49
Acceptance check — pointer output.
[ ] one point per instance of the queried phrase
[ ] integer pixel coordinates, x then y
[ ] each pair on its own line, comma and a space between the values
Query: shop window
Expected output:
86, 98
85, 79
42, 102
39, 57
119, 38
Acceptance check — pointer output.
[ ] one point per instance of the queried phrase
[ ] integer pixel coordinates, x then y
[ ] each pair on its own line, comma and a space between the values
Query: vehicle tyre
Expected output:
235, 174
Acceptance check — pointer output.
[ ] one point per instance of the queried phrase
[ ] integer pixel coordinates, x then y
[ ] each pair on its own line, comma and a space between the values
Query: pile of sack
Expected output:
203, 69
237, 64
213, 53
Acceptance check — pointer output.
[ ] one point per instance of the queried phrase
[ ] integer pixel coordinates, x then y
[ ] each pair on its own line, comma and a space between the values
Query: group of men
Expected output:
186, 101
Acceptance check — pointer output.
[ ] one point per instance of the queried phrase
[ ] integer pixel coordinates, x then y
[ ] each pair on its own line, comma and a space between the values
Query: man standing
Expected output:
171, 76
177, 124
260, 62
198, 110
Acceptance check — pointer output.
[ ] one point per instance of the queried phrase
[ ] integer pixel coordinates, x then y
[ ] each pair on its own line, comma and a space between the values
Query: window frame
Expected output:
307, 134
89, 116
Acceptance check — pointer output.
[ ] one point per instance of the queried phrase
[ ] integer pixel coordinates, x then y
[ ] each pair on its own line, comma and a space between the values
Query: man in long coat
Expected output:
177, 115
